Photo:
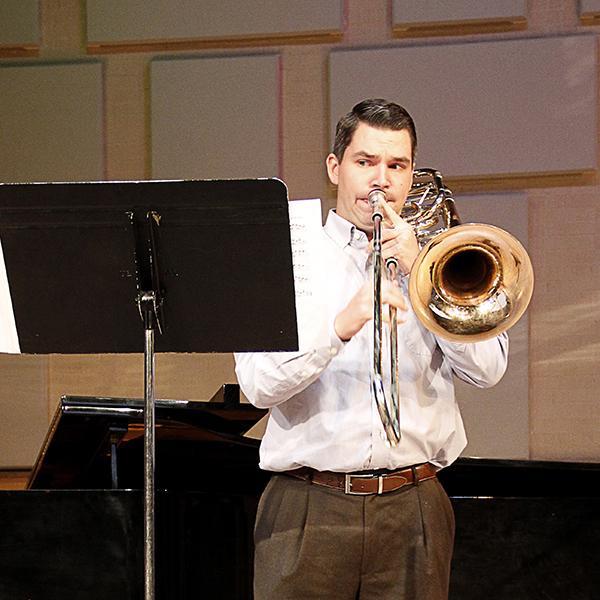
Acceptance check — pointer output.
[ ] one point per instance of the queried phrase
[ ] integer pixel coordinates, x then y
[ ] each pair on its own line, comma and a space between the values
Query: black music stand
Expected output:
207, 264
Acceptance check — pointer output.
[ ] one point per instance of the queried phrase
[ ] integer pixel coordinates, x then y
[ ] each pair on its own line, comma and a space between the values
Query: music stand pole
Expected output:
147, 305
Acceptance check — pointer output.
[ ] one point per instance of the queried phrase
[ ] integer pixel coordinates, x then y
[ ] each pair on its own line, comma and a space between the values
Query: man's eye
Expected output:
362, 162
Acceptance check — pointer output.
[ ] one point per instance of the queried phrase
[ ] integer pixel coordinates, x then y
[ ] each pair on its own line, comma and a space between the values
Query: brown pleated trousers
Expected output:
313, 542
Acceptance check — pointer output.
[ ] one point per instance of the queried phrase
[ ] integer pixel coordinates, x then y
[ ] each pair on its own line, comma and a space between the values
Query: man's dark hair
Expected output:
375, 112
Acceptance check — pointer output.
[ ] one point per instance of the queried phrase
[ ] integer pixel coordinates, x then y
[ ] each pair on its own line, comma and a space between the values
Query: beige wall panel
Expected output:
216, 118
549, 16
52, 122
178, 376
484, 108
126, 135
367, 22
141, 20
62, 28
193, 376
497, 419
24, 416
565, 324
305, 141
19, 23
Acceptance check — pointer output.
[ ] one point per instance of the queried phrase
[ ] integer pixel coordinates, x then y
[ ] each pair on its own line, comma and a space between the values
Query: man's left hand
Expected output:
398, 240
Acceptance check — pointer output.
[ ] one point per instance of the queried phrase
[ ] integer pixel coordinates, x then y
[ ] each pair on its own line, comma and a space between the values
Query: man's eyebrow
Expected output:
364, 154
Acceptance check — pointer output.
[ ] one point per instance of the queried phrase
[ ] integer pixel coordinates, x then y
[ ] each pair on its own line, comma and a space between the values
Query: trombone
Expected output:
470, 282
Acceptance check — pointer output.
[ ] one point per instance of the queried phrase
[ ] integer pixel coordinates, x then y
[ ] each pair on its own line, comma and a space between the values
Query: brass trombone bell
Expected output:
471, 283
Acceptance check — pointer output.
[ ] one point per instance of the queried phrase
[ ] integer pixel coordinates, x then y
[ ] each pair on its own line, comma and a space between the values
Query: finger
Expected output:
391, 215
401, 228
391, 294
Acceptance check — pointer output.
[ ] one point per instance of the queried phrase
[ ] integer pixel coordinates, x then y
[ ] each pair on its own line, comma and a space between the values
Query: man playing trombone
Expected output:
347, 514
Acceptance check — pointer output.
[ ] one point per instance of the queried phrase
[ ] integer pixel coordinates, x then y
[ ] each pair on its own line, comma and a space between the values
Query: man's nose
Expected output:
381, 177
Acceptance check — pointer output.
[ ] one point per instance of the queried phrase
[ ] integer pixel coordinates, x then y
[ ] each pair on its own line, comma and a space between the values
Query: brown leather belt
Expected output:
362, 484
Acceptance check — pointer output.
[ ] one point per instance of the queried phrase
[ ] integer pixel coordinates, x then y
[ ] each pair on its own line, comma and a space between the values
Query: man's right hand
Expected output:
351, 319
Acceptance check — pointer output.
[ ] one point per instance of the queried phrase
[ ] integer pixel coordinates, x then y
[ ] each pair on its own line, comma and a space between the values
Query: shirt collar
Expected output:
344, 233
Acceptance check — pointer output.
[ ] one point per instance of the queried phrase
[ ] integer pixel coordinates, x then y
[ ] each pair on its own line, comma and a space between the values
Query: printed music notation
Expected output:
305, 229
9, 339
306, 235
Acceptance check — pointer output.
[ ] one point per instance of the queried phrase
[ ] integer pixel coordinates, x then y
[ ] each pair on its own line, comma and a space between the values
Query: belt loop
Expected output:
415, 476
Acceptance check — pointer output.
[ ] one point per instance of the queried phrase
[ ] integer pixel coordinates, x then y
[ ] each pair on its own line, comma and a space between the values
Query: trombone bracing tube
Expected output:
389, 410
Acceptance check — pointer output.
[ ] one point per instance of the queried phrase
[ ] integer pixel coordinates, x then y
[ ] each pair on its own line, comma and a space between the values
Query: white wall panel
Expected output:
433, 11
141, 20
19, 22
51, 122
216, 117
484, 108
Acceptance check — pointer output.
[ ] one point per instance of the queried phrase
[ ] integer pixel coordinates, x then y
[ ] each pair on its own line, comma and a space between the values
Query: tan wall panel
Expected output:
565, 324
62, 33
127, 131
304, 141
178, 376
24, 415
367, 22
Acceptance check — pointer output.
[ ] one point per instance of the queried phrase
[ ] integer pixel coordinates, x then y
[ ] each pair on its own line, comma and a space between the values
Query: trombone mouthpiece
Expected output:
376, 197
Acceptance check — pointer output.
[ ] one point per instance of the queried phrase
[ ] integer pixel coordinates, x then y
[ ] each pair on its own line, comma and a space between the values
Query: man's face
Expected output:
375, 158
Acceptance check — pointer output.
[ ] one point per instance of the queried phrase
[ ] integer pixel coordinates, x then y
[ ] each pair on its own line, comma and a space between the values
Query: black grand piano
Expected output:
525, 530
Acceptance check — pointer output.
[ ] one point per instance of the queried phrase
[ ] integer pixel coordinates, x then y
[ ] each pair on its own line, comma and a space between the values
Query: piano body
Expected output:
525, 530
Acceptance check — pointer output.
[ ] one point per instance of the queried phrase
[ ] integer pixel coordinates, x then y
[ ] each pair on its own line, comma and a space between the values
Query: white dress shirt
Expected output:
322, 414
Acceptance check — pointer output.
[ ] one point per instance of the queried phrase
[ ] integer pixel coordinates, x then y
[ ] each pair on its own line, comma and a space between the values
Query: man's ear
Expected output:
332, 168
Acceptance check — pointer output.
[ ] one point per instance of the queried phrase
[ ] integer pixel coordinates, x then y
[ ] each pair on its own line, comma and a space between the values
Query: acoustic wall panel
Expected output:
216, 117
497, 419
19, 27
141, 21
431, 17
51, 122
484, 109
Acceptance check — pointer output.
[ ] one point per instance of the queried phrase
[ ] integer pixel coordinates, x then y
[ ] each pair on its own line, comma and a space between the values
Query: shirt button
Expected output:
333, 351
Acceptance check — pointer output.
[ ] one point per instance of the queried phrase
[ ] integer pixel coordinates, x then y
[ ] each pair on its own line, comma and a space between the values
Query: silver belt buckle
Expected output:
348, 484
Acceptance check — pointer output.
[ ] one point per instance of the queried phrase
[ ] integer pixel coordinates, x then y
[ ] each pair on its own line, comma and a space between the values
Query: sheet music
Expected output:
9, 340
306, 235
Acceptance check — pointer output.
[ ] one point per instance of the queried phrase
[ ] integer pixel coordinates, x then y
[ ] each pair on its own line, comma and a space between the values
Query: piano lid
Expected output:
86, 432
